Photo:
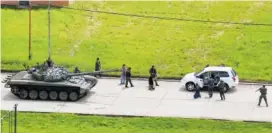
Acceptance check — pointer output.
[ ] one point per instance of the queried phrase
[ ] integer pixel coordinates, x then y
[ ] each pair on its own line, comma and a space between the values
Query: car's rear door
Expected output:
235, 77
224, 75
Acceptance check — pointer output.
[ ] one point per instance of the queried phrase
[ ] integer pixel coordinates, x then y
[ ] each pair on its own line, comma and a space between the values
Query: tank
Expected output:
54, 83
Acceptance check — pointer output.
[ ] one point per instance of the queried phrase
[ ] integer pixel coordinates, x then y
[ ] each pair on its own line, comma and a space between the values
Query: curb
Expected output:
140, 116
167, 79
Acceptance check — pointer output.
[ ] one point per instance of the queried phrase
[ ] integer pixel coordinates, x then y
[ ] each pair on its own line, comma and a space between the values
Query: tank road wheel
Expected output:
14, 89
43, 95
73, 96
33, 94
23, 94
63, 96
53, 95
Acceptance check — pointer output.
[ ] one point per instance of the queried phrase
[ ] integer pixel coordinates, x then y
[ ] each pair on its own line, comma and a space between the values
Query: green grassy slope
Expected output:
175, 47
69, 123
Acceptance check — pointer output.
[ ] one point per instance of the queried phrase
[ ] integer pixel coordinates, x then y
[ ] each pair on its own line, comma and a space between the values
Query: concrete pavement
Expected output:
168, 100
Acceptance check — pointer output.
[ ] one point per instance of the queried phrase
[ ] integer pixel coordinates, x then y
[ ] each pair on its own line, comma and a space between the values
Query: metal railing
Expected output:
9, 121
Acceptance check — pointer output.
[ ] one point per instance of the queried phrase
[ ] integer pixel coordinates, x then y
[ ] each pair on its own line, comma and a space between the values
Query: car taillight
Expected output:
233, 79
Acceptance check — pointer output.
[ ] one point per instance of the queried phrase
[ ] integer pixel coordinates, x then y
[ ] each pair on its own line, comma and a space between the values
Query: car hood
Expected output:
189, 76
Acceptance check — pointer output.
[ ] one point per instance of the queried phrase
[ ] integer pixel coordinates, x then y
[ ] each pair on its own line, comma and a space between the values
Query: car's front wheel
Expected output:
190, 86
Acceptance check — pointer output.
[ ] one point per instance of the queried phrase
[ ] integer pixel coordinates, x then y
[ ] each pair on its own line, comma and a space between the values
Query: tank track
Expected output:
47, 93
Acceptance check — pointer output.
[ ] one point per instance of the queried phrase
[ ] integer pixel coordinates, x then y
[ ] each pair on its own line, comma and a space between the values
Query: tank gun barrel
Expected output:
90, 73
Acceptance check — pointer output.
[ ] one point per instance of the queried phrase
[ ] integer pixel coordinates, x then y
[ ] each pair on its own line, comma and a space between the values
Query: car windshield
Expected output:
197, 73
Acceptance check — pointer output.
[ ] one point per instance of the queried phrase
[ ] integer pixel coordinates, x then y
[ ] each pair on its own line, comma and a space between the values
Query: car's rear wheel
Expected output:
190, 86
226, 88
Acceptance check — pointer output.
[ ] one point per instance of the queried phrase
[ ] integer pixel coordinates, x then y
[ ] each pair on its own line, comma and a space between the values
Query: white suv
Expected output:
227, 74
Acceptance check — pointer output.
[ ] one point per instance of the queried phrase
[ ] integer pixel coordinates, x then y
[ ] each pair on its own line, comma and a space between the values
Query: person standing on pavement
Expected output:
128, 77
123, 74
153, 73
97, 66
263, 91
211, 86
221, 86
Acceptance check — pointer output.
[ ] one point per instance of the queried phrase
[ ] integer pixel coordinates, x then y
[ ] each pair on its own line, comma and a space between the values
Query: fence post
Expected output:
15, 118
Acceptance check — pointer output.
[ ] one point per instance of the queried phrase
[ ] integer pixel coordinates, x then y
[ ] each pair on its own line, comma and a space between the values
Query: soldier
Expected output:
221, 86
207, 65
38, 66
76, 70
263, 92
217, 78
123, 74
97, 66
128, 77
153, 73
49, 62
211, 85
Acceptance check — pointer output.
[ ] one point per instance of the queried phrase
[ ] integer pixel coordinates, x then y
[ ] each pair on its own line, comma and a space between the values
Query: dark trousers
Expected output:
197, 94
222, 95
265, 99
210, 90
128, 79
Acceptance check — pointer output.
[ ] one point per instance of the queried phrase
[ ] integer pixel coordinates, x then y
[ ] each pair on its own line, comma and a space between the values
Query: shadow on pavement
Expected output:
87, 96
231, 90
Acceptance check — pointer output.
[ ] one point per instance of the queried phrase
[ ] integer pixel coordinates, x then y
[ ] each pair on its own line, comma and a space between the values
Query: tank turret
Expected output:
56, 74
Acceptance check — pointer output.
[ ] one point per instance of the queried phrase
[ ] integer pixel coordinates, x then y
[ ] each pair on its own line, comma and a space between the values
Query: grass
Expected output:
71, 123
174, 47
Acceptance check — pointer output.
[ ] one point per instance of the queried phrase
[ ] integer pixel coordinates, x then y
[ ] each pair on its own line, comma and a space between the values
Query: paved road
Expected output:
168, 99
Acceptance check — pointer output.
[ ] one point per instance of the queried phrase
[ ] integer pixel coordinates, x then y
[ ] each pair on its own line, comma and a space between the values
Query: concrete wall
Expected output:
39, 2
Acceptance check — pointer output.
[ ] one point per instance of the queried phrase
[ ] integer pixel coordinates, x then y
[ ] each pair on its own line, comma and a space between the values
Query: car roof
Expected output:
217, 68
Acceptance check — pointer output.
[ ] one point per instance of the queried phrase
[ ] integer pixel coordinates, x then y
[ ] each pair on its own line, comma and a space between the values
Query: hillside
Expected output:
174, 47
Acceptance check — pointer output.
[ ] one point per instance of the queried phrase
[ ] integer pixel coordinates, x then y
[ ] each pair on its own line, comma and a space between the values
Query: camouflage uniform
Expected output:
211, 86
263, 92
49, 62
38, 66
76, 70
153, 74
128, 77
97, 66
221, 86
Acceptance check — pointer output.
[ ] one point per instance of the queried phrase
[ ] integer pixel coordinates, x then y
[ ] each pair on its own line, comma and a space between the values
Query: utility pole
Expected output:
27, 4
49, 51
15, 118
29, 40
